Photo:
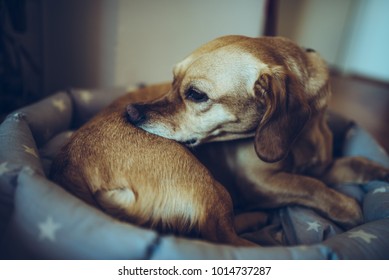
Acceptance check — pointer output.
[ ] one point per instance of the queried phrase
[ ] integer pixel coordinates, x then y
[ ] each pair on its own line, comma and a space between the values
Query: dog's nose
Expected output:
135, 114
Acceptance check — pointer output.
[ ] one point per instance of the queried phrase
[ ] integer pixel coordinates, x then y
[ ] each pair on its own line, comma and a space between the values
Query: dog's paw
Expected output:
369, 170
380, 173
347, 213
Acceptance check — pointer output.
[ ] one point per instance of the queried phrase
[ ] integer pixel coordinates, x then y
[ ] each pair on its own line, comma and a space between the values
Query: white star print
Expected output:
313, 226
30, 151
59, 104
48, 229
365, 236
3, 168
379, 190
86, 96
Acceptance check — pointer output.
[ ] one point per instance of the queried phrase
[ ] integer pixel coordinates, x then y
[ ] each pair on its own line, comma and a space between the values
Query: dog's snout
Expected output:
135, 114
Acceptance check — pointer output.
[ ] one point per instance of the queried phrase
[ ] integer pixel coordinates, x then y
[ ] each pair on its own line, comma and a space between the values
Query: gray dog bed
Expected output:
40, 220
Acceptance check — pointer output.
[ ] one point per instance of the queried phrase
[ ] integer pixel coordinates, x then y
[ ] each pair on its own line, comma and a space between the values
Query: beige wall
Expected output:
366, 52
316, 24
154, 35
352, 35
104, 43
75, 38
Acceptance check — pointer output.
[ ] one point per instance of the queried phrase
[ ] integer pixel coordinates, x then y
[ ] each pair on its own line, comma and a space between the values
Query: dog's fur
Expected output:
235, 87
142, 178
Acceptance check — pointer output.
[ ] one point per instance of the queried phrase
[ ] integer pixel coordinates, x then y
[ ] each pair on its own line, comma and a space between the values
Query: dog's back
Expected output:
143, 178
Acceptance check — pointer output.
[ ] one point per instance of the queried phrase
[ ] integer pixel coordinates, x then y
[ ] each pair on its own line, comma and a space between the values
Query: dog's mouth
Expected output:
191, 142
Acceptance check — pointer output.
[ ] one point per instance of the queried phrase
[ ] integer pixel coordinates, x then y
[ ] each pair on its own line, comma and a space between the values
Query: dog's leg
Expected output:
213, 217
290, 189
217, 220
249, 220
117, 202
220, 230
354, 170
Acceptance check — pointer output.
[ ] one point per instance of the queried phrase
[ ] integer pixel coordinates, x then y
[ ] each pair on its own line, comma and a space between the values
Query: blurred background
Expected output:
50, 45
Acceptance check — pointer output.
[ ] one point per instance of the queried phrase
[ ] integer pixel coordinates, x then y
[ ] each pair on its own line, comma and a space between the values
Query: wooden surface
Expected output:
364, 101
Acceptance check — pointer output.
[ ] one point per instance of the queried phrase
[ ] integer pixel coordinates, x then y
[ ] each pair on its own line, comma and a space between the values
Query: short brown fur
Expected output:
142, 178
276, 91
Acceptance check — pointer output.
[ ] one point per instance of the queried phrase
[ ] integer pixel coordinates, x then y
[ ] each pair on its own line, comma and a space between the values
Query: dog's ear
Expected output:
285, 116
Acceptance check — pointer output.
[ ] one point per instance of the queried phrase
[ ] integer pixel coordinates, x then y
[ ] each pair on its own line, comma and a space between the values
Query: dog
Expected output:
144, 179
270, 96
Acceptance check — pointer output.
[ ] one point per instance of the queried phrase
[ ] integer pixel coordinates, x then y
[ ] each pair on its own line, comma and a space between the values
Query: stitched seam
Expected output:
151, 249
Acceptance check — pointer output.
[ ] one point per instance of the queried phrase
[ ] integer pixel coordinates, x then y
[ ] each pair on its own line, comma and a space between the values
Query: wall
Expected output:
20, 54
352, 35
367, 50
154, 35
74, 42
104, 43
316, 24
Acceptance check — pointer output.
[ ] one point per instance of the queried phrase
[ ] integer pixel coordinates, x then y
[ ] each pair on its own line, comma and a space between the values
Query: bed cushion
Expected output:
40, 220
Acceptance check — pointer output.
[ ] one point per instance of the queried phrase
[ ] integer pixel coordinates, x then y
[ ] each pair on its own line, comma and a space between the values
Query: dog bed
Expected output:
40, 220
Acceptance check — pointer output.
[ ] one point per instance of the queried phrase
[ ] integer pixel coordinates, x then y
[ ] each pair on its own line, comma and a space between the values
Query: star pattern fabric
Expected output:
365, 236
48, 229
3, 168
379, 190
30, 151
313, 226
59, 104
86, 96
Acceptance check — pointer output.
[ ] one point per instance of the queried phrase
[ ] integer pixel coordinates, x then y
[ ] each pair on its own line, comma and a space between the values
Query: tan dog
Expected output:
235, 87
142, 178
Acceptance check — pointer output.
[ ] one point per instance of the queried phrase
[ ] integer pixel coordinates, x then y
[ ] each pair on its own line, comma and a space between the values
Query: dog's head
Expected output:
235, 87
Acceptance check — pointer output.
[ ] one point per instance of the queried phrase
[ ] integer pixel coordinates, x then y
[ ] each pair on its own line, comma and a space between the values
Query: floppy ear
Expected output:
285, 116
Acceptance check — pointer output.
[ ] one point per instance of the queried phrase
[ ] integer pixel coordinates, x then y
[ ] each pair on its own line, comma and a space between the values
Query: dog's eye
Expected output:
196, 95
